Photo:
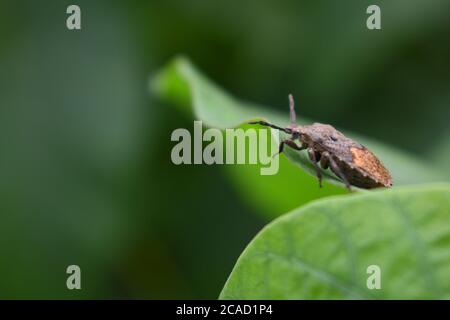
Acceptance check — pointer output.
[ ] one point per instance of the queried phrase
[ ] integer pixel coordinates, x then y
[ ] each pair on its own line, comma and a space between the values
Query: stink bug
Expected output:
350, 161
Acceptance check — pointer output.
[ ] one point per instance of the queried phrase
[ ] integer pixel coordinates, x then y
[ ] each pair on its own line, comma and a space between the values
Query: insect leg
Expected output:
291, 144
338, 172
280, 149
267, 124
324, 162
312, 156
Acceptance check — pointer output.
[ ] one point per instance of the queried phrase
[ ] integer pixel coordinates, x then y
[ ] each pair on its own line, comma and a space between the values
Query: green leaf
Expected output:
322, 250
195, 95
280, 193
182, 83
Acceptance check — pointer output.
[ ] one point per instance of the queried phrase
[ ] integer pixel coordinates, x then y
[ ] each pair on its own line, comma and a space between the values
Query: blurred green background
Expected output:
85, 171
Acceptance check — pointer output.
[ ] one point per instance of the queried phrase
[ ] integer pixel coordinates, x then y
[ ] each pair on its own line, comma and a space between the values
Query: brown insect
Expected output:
350, 161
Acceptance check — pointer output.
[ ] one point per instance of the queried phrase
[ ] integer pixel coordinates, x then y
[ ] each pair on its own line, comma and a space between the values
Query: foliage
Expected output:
322, 250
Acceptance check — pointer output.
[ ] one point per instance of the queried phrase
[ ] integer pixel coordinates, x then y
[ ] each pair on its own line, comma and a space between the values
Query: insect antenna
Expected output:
267, 124
292, 110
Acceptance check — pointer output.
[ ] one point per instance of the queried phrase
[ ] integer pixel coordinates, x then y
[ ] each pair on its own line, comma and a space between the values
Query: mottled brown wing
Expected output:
358, 157
339, 145
366, 161
360, 166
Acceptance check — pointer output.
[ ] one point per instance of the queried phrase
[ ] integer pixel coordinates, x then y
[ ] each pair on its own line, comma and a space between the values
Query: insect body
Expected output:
350, 161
